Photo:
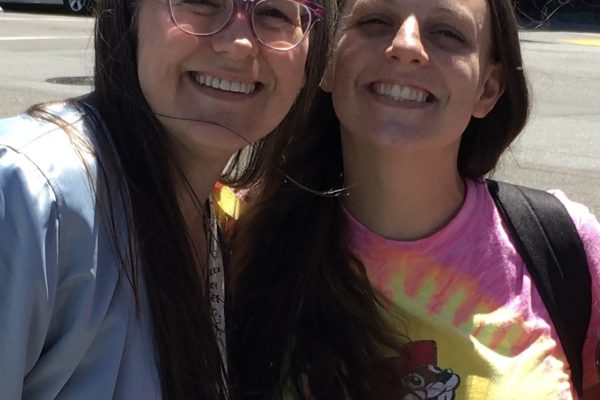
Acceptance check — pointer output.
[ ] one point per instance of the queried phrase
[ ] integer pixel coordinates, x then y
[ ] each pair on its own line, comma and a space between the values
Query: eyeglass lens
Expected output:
279, 24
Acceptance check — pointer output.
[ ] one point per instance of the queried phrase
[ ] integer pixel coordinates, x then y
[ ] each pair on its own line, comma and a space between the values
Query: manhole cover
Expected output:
72, 80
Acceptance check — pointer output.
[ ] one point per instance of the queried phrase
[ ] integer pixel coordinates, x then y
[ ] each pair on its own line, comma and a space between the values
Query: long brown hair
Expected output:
305, 317
484, 140
136, 162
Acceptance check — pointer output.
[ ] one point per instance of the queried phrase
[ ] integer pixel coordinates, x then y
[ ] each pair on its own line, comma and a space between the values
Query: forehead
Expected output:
475, 10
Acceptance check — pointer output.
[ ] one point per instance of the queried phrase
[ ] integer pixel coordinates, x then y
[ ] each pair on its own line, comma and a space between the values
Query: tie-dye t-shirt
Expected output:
477, 325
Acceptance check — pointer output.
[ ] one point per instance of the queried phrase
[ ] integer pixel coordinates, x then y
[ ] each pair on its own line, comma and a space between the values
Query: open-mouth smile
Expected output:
224, 85
401, 93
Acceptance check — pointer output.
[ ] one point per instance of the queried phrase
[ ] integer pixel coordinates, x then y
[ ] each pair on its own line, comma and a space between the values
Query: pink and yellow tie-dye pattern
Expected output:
466, 288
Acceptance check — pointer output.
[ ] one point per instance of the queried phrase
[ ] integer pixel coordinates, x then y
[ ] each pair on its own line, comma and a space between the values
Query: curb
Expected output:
582, 41
588, 39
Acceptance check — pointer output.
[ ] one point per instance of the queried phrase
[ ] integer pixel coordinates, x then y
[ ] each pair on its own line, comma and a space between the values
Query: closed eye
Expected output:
373, 21
373, 25
273, 13
206, 3
449, 34
204, 8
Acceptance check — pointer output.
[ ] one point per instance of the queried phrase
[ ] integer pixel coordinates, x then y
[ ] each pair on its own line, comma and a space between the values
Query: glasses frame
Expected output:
316, 13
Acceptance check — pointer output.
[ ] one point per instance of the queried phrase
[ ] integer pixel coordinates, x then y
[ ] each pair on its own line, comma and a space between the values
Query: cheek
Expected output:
298, 67
467, 85
151, 55
148, 76
292, 73
299, 77
159, 65
349, 60
161, 46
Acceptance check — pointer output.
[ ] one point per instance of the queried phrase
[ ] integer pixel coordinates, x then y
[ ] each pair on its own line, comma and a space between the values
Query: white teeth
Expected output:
224, 84
401, 93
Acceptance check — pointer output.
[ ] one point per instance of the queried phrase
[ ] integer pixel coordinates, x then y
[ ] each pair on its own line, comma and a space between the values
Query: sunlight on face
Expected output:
412, 73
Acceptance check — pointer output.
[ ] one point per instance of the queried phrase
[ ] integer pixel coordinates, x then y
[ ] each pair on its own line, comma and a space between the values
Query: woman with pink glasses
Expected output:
111, 260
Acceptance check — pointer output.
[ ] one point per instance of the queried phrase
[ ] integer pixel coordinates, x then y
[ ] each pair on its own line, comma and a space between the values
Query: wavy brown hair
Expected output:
305, 318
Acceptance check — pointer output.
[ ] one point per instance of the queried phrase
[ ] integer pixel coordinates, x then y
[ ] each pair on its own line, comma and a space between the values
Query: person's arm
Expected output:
29, 229
589, 231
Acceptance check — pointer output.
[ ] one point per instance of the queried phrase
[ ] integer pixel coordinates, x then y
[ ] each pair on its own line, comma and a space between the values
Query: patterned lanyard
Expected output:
216, 281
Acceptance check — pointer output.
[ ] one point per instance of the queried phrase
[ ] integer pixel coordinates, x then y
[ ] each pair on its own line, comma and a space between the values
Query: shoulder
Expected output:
585, 221
48, 185
589, 231
36, 153
23, 131
587, 226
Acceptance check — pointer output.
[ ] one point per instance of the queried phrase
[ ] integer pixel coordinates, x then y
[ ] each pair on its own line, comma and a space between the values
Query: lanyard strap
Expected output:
216, 280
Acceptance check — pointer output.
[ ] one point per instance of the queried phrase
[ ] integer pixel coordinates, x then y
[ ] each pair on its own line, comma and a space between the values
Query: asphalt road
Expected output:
37, 47
560, 147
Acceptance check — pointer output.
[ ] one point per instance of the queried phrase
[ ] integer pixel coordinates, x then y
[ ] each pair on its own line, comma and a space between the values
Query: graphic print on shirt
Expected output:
419, 377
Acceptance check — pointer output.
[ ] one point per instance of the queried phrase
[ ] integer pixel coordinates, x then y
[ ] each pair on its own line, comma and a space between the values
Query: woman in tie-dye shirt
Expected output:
404, 283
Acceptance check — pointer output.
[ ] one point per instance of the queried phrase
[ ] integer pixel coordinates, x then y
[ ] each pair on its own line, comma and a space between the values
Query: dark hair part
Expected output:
136, 150
305, 318
484, 140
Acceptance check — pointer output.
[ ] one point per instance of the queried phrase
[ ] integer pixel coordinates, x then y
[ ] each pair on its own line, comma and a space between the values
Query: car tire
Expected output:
78, 6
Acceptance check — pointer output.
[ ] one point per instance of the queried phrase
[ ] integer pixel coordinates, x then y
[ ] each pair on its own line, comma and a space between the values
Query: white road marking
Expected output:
4, 18
18, 38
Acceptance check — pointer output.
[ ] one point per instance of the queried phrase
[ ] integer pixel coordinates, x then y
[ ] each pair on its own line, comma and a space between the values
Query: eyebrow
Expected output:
456, 11
446, 8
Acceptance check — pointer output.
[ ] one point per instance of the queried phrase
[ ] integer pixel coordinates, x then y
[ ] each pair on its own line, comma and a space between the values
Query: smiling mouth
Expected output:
403, 93
224, 84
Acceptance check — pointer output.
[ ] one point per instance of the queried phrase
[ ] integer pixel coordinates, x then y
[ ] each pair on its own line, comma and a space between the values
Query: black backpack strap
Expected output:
547, 239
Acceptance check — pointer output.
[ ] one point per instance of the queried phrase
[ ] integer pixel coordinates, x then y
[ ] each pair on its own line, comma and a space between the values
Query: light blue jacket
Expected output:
68, 328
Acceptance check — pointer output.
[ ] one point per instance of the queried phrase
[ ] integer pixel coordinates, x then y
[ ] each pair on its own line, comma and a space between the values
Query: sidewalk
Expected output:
558, 37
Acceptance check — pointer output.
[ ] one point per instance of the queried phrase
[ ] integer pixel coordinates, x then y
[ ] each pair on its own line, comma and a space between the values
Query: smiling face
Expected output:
215, 93
412, 73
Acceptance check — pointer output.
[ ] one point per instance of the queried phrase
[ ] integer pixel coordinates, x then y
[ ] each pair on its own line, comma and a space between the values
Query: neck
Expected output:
194, 185
402, 194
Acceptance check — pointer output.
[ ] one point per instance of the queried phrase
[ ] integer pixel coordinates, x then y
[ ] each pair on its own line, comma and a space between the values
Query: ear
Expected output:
491, 90
327, 78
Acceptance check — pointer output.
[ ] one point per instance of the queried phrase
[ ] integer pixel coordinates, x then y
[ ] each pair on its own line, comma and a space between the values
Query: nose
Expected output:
236, 39
406, 45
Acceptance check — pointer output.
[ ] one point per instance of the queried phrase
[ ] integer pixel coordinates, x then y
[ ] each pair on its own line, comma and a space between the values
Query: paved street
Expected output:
37, 47
559, 149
